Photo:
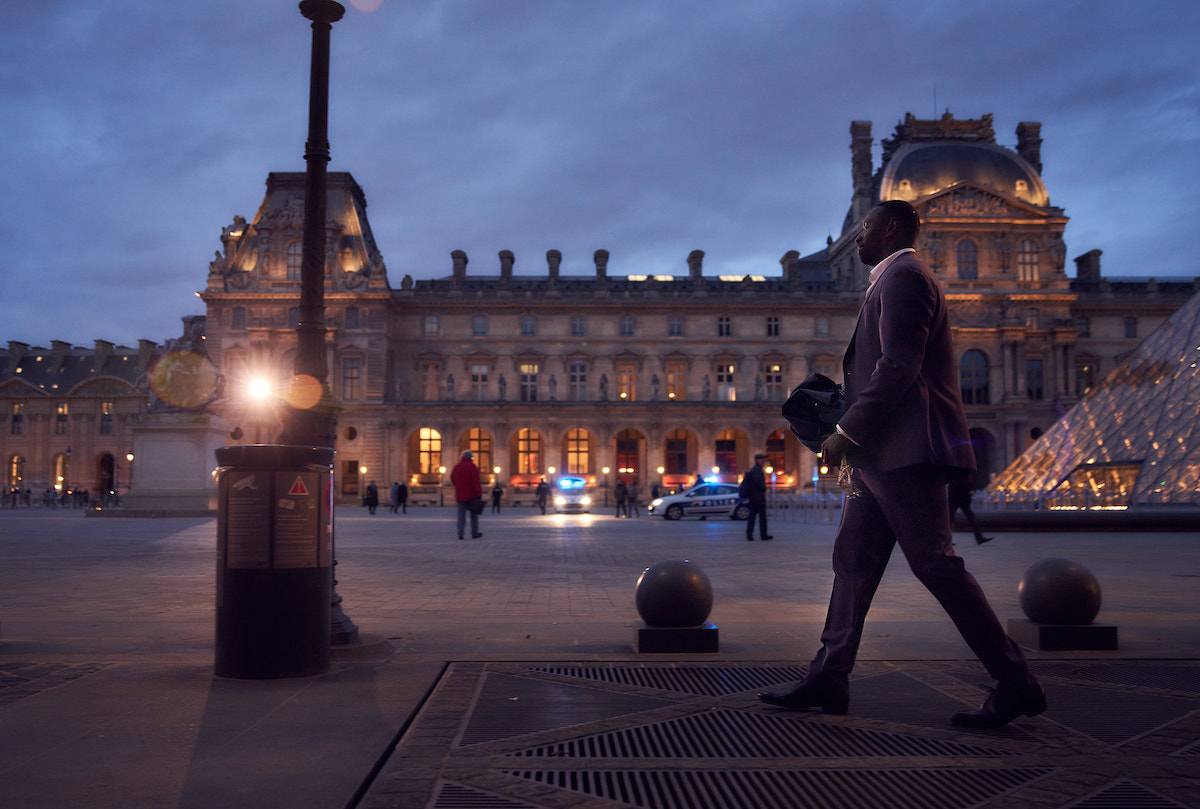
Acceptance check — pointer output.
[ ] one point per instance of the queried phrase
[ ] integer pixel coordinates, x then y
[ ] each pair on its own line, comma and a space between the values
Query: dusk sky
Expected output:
133, 131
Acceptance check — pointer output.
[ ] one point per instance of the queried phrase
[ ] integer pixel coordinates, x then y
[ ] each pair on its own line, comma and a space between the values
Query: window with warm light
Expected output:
726, 384
295, 260
60, 418
676, 377
480, 444
578, 454
18, 419
429, 450
1027, 261
772, 373
529, 452
529, 381
106, 418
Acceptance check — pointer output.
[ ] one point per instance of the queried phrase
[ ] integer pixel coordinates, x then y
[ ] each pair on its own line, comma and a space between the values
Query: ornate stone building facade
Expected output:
660, 378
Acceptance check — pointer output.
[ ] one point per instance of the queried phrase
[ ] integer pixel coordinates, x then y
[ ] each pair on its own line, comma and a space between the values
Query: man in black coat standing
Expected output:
754, 489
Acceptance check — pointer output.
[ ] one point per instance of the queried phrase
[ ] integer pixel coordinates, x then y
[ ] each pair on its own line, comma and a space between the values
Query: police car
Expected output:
570, 495
700, 501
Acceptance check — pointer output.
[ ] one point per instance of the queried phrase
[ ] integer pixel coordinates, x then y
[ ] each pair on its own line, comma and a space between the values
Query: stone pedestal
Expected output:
1063, 637
676, 639
173, 461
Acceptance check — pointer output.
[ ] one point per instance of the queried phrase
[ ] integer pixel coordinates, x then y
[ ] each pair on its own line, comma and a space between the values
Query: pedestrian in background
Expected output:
465, 477
620, 493
631, 500
497, 493
371, 498
754, 489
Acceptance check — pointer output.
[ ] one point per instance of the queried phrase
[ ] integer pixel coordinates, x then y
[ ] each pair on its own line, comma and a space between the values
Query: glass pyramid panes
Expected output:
1134, 440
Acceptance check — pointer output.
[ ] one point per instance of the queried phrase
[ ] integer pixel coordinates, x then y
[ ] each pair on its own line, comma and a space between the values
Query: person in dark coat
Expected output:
620, 492
754, 489
497, 493
371, 498
902, 437
958, 495
542, 494
402, 497
394, 499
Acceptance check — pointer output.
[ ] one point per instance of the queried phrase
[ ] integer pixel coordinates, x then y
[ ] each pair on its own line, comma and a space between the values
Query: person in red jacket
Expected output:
465, 478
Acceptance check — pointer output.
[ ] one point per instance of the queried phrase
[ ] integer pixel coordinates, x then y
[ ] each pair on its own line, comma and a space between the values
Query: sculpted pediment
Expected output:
969, 201
19, 389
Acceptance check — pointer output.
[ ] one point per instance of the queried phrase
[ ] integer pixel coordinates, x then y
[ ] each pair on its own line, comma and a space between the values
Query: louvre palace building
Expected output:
616, 373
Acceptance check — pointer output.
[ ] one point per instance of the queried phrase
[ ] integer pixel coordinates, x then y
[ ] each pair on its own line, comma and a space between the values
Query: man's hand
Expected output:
834, 449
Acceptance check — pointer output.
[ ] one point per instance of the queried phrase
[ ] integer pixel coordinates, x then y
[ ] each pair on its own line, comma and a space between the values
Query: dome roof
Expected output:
917, 170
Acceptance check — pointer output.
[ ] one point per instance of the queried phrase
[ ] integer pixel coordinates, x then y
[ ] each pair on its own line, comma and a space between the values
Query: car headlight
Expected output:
656, 501
560, 501
585, 500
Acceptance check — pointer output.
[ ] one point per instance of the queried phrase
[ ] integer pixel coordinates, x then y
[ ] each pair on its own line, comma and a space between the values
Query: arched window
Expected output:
295, 260
429, 451
578, 445
529, 452
480, 444
1027, 261
967, 255
973, 376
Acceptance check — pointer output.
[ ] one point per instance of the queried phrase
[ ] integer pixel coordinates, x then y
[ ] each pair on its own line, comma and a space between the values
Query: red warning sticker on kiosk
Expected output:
298, 487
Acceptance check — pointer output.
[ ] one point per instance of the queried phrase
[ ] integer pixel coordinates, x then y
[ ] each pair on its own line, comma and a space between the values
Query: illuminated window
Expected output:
1027, 261
351, 378
626, 377
106, 418
676, 377
480, 444
773, 380
529, 381
18, 419
726, 385
967, 255
772, 326
429, 450
479, 384
577, 380
60, 418
973, 376
1085, 378
578, 452
775, 453
295, 260
724, 326
726, 448
627, 454
675, 326
529, 452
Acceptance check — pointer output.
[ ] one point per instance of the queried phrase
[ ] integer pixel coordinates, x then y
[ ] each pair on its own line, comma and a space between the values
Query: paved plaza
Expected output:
494, 672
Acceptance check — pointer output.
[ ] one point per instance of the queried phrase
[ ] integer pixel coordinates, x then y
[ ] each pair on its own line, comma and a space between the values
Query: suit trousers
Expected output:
906, 507
759, 510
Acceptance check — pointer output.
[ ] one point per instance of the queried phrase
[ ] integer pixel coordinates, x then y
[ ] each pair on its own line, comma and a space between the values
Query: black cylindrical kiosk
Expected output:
273, 560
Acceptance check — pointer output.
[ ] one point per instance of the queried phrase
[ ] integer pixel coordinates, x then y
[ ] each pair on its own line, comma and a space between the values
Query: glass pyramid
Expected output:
1133, 441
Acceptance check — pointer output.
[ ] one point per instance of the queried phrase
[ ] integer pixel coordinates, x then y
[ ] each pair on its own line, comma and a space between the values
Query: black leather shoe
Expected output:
804, 696
982, 539
1003, 706
477, 536
769, 536
749, 539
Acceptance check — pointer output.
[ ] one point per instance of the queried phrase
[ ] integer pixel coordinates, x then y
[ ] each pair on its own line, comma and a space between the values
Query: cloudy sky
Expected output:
134, 130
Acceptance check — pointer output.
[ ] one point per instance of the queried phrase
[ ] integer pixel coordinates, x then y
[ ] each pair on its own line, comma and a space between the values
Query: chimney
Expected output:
147, 351
103, 351
1087, 267
58, 352
601, 259
506, 264
695, 262
788, 263
16, 353
553, 259
460, 266
1029, 143
861, 169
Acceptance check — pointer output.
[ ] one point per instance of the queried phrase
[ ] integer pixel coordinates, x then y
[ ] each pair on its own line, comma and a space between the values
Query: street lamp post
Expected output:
605, 471
310, 417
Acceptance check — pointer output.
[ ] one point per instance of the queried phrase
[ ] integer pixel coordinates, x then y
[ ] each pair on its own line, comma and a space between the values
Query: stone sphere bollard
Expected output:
1059, 591
674, 593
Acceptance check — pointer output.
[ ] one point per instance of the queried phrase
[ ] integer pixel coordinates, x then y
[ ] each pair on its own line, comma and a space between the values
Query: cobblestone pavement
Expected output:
107, 697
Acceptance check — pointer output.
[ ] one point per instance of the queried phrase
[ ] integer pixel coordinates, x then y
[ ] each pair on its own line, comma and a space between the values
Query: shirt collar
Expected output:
879, 268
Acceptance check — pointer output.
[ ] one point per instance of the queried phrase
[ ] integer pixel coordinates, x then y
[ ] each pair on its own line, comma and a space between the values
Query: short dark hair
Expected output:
906, 218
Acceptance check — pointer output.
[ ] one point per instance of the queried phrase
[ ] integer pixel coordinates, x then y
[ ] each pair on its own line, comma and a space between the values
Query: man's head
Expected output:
468, 455
759, 457
890, 226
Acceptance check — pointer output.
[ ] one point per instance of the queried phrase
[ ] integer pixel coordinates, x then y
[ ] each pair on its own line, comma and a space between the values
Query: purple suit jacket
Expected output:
903, 404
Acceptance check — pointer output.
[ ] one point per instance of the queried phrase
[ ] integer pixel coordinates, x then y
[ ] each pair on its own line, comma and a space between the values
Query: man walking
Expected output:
465, 478
754, 489
902, 436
